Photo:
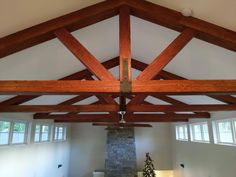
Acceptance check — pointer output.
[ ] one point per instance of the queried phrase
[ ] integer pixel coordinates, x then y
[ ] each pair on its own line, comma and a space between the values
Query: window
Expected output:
199, 132
181, 132
4, 132
224, 131
41, 133
19, 133
59, 133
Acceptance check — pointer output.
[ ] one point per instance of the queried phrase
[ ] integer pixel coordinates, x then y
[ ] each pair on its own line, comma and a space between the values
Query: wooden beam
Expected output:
172, 19
147, 117
76, 76
172, 87
110, 120
44, 31
107, 118
167, 55
125, 41
177, 102
180, 108
180, 87
122, 125
60, 108
106, 9
83, 55
58, 87
67, 102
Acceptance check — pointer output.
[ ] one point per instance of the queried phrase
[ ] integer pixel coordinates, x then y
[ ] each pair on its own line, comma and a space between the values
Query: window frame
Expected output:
64, 132
192, 132
41, 124
9, 133
11, 130
186, 133
217, 132
25, 133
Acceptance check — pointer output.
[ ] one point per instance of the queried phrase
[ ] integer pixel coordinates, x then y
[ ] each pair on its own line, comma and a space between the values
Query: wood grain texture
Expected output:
60, 108
180, 108
83, 55
125, 40
76, 76
167, 55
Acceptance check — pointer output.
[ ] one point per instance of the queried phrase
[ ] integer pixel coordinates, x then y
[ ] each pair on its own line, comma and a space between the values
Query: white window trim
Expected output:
192, 133
10, 136
26, 132
40, 133
217, 133
177, 132
64, 133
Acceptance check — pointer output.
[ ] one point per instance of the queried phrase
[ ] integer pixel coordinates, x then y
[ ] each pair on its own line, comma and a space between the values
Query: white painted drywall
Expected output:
204, 160
33, 160
88, 148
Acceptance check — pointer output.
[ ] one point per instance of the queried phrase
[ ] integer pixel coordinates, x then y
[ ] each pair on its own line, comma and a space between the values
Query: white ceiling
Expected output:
51, 60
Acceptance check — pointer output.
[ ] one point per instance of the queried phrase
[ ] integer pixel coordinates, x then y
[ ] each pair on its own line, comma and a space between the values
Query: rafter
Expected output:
83, 55
101, 11
172, 19
44, 31
106, 118
170, 76
128, 116
76, 76
180, 108
167, 55
125, 41
60, 108
171, 87
67, 102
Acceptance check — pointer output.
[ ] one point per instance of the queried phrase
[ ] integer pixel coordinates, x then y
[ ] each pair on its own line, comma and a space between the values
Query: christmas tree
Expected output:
148, 170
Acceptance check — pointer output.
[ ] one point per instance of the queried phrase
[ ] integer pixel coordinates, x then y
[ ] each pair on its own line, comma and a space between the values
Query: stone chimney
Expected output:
120, 153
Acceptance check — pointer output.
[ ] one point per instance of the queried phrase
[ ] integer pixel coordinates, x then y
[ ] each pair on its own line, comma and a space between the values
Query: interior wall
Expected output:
88, 148
34, 160
202, 159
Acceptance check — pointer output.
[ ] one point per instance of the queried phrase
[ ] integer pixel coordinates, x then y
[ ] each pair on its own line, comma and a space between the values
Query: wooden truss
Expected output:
153, 80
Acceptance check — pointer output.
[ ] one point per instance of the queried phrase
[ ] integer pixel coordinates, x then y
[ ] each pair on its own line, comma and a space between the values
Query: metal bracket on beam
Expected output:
125, 84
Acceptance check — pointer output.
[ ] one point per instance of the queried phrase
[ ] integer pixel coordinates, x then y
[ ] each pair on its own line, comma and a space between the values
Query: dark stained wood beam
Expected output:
172, 19
67, 102
171, 87
60, 108
176, 102
45, 31
122, 125
106, 9
180, 108
167, 55
111, 120
140, 117
125, 41
76, 76
83, 55
107, 118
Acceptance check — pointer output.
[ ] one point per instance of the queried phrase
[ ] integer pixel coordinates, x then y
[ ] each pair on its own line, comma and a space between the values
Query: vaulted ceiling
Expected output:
51, 60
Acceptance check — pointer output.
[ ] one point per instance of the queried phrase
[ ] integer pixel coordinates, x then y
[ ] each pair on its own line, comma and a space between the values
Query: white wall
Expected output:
204, 160
34, 160
88, 148
157, 142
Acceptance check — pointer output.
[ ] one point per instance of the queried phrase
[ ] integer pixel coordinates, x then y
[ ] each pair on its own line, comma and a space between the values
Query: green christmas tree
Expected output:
148, 170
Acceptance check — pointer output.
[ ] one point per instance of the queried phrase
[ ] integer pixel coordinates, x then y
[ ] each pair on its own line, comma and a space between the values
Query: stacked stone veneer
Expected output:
121, 153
